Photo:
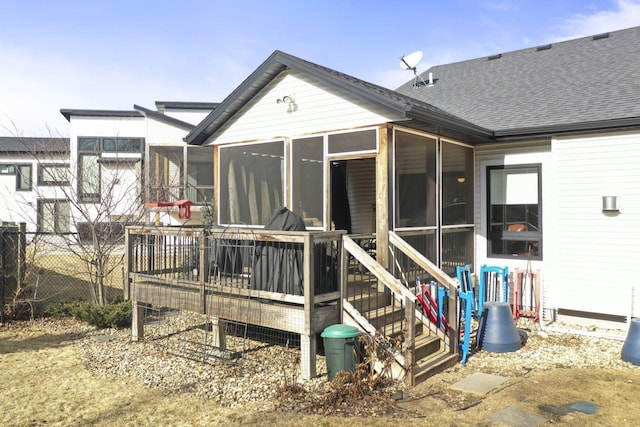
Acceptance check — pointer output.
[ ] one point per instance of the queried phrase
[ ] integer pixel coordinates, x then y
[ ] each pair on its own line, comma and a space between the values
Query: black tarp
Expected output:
279, 265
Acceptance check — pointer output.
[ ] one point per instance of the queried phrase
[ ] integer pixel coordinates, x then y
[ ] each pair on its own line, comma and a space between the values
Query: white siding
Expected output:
361, 188
163, 134
599, 253
21, 206
318, 108
190, 116
517, 154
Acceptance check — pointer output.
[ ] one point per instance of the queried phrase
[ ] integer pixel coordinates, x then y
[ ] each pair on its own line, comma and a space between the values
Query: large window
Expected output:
251, 182
307, 169
53, 174
23, 174
178, 172
53, 216
514, 207
457, 184
91, 152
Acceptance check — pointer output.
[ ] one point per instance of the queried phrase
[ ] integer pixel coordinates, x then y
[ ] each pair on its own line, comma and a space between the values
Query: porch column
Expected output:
382, 198
308, 344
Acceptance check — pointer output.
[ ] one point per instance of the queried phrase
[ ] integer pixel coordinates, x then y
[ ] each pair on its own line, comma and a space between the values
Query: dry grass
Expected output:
45, 382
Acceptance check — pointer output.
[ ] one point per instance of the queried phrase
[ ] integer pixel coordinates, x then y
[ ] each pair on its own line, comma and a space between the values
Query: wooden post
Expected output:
218, 333
126, 260
454, 322
410, 337
216, 184
344, 276
308, 338
382, 198
137, 321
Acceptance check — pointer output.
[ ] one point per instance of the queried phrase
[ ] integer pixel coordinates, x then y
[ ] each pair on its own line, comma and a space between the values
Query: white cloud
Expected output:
626, 14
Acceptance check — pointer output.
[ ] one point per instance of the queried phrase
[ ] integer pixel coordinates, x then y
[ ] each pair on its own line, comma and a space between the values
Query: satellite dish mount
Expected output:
410, 62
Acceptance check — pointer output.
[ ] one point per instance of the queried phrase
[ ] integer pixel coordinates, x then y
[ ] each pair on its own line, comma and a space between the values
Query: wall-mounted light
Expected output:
610, 204
289, 101
461, 179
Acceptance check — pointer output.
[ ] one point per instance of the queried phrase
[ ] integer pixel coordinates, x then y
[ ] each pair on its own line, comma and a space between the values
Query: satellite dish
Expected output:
411, 61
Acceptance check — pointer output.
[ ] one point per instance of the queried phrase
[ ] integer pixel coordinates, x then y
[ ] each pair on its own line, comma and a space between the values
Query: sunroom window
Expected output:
251, 182
514, 208
307, 166
415, 180
179, 172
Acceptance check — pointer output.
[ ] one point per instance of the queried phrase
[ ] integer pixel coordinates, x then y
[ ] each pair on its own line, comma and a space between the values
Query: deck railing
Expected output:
291, 278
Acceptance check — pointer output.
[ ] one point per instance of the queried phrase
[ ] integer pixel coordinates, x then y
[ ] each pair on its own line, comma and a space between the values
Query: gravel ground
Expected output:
266, 378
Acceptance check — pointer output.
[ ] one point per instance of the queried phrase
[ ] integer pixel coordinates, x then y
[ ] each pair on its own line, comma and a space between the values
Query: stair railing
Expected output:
399, 295
442, 279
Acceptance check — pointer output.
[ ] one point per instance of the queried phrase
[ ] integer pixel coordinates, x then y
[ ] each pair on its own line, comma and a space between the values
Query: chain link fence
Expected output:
38, 269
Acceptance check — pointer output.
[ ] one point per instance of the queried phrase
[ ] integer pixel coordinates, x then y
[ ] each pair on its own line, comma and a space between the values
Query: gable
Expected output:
317, 107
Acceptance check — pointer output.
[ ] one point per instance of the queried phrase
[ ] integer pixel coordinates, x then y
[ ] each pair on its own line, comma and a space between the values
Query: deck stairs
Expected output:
387, 309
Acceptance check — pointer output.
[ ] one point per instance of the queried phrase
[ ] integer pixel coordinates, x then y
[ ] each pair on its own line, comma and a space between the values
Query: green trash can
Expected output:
340, 343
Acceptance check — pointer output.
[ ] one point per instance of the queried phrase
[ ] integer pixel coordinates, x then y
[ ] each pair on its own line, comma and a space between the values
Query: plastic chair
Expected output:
467, 303
488, 289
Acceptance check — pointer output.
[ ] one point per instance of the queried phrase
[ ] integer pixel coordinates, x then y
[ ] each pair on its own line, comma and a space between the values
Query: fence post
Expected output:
202, 273
4, 273
127, 256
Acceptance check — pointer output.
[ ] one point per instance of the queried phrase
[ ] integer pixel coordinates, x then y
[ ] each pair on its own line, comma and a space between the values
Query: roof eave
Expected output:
164, 118
68, 112
478, 133
567, 129
273, 66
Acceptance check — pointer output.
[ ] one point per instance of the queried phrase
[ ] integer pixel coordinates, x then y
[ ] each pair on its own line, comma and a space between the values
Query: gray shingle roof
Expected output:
33, 145
411, 109
588, 80
68, 112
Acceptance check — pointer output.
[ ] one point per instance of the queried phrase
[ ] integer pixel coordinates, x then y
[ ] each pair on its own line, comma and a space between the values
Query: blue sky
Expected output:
112, 54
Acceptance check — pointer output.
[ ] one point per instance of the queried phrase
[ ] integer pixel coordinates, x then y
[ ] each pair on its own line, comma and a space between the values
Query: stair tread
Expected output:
433, 364
423, 339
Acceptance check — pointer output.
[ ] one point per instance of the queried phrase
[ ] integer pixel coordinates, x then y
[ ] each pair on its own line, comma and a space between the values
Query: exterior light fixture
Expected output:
289, 101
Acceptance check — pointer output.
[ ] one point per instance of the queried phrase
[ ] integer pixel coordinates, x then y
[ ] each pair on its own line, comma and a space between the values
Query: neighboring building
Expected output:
32, 170
127, 158
528, 159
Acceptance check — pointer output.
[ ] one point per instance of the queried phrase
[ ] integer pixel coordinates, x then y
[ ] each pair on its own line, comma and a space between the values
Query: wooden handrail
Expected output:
439, 275
376, 269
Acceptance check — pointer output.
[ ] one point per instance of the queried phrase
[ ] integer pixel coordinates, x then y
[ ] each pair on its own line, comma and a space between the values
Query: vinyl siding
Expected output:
517, 154
599, 252
320, 108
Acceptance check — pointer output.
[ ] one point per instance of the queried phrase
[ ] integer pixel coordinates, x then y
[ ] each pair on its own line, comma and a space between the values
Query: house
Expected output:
527, 159
563, 160
31, 172
124, 157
